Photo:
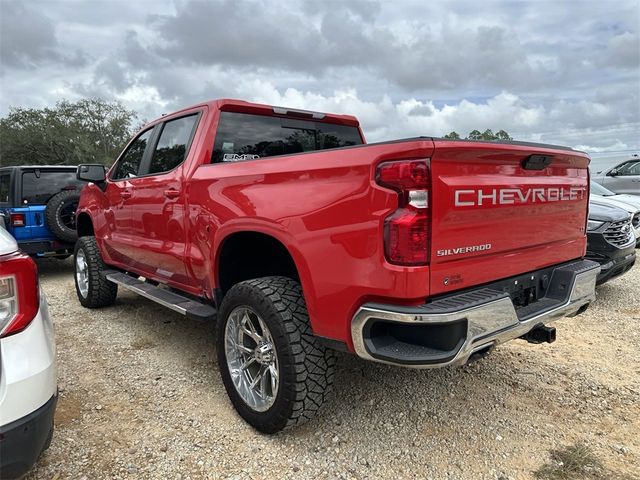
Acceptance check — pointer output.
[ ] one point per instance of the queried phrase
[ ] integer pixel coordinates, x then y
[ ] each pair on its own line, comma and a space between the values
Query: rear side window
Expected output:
172, 146
39, 186
245, 137
5, 180
129, 163
629, 168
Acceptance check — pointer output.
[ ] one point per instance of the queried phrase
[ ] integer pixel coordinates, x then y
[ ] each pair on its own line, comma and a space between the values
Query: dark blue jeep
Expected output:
38, 204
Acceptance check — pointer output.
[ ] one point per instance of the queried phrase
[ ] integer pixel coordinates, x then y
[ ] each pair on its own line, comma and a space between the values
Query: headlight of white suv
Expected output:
593, 225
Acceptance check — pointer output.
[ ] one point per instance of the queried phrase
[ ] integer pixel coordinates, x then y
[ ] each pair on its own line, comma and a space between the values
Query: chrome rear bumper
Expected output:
449, 331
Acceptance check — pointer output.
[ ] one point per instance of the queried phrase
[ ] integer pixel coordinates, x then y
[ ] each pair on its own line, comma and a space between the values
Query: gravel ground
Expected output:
140, 397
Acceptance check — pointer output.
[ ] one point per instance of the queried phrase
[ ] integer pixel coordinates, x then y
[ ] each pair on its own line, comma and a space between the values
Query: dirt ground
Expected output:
140, 397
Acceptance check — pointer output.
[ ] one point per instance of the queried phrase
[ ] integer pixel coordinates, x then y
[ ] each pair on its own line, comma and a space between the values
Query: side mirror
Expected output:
91, 172
613, 173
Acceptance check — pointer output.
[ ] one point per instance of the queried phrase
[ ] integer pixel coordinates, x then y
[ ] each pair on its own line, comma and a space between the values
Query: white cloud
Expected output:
557, 73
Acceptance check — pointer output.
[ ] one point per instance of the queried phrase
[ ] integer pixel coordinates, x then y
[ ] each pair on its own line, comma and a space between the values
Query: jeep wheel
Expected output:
275, 371
60, 215
93, 289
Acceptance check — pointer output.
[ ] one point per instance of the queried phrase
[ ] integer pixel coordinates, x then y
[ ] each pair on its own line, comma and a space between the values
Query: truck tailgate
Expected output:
495, 215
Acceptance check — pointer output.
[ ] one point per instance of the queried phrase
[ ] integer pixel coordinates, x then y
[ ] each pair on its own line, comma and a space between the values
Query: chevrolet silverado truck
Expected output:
299, 239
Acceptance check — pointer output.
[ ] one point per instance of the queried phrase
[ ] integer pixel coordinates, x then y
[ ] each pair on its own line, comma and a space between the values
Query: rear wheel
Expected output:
92, 287
276, 373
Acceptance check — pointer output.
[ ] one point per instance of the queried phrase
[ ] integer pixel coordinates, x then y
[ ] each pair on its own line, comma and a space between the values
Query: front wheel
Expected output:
275, 371
92, 287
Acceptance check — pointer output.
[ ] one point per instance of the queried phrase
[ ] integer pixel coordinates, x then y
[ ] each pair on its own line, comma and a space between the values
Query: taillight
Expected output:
406, 231
19, 297
17, 220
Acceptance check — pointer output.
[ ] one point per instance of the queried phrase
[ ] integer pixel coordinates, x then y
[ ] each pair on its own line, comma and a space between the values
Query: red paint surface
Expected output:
327, 210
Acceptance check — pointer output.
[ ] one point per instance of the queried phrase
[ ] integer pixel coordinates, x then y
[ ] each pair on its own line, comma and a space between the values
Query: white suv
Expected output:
28, 391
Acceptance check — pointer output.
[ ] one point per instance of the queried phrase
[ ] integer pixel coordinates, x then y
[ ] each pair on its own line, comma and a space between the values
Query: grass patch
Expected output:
573, 462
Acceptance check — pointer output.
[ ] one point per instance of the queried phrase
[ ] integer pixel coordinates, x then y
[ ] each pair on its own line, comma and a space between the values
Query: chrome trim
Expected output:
490, 324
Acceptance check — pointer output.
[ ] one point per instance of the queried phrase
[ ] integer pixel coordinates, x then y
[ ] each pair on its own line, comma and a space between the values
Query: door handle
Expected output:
125, 194
171, 193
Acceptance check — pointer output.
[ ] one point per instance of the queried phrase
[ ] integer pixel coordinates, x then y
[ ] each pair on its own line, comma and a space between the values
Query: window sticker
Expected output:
234, 157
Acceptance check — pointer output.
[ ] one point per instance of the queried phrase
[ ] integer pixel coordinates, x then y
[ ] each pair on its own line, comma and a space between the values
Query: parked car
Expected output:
623, 178
38, 204
611, 240
630, 203
301, 239
28, 390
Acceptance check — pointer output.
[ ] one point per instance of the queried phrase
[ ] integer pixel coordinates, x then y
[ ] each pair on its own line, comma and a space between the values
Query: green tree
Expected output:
452, 135
502, 135
474, 135
86, 131
488, 135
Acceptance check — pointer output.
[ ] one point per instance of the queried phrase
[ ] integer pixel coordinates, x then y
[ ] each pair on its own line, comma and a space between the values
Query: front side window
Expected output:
171, 149
129, 164
244, 136
39, 185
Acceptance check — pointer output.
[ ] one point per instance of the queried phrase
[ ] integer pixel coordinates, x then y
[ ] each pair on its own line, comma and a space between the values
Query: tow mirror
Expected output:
91, 172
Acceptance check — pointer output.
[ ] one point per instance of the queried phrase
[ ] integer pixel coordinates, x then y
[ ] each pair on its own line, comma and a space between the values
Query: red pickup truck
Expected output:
300, 239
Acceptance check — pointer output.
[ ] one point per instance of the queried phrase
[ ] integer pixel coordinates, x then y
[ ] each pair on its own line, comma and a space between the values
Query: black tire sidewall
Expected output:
101, 291
53, 211
275, 418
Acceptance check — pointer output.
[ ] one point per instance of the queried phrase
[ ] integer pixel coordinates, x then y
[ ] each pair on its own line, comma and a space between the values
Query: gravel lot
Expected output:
141, 398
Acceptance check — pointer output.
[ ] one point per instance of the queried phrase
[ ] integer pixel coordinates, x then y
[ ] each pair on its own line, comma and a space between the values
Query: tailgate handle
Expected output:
537, 162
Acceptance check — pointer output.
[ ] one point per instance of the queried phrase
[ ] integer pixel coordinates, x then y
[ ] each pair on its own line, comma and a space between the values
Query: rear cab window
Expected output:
243, 136
39, 185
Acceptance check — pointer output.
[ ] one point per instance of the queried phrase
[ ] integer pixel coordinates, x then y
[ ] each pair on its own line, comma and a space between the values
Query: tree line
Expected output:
478, 135
87, 131
90, 131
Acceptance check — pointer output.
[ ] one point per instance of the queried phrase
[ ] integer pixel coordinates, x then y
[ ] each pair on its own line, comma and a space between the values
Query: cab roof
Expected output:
241, 106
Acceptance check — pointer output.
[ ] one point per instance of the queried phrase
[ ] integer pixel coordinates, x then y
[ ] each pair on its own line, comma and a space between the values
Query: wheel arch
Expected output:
84, 225
252, 253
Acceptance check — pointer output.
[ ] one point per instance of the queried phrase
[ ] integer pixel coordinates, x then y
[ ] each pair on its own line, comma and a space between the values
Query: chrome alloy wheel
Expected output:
251, 358
82, 273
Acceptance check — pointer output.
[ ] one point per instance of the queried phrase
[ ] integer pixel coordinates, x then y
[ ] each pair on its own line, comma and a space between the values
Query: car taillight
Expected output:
19, 297
406, 231
17, 220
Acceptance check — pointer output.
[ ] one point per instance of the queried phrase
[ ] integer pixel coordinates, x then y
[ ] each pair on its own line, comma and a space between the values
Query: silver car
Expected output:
623, 178
630, 203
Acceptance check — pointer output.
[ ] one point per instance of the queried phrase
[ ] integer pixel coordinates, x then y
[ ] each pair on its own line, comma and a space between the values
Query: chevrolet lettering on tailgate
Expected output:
507, 196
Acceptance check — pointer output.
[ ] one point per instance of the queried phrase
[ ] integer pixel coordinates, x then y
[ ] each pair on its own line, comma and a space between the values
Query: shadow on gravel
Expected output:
54, 268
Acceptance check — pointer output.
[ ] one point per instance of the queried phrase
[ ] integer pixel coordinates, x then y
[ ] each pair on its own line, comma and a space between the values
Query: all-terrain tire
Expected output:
59, 215
100, 292
306, 367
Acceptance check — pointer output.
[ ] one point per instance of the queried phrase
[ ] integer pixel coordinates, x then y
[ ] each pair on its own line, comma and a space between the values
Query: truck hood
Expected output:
602, 210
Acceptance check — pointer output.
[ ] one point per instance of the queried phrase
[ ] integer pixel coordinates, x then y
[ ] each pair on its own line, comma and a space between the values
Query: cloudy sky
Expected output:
563, 72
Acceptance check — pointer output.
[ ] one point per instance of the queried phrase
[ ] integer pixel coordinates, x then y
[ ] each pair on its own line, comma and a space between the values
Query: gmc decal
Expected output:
511, 196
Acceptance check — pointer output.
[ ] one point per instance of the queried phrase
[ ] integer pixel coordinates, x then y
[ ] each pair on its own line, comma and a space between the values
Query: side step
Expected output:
174, 301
